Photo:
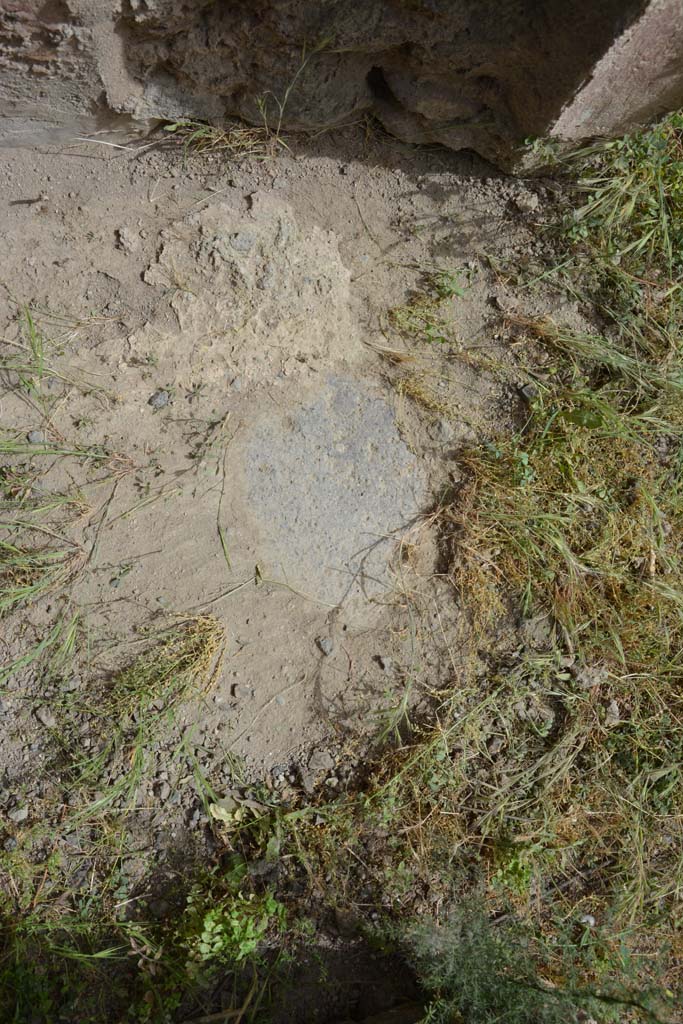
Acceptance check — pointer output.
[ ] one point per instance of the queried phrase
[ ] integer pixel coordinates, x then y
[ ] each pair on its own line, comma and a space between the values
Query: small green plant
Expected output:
513, 868
445, 284
230, 931
425, 318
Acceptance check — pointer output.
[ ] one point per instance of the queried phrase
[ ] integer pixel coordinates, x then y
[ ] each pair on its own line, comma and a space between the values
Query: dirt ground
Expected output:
223, 398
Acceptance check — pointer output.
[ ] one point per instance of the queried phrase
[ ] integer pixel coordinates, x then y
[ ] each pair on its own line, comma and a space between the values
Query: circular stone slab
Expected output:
332, 487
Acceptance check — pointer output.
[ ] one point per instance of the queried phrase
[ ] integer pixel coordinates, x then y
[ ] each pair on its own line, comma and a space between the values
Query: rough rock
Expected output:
478, 74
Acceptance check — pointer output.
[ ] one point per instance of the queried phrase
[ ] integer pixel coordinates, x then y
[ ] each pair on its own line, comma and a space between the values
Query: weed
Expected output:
421, 389
15, 447
576, 516
482, 972
180, 660
634, 210
59, 642
27, 574
229, 929
425, 319
237, 140
27, 368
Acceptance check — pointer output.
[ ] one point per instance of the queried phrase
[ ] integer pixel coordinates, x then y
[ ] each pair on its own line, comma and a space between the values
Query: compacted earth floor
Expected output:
226, 415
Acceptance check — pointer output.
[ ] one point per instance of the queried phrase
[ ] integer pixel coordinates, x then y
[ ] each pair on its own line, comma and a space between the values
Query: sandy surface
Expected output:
218, 329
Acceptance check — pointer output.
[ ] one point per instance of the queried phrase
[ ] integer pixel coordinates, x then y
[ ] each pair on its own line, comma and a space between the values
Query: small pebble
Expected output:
325, 644
495, 745
613, 716
10, 845
18, 814
588, 920
528, 392
159, 399
320, 761
163, 791
242, 692
45, 717
35, 437
307, 779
